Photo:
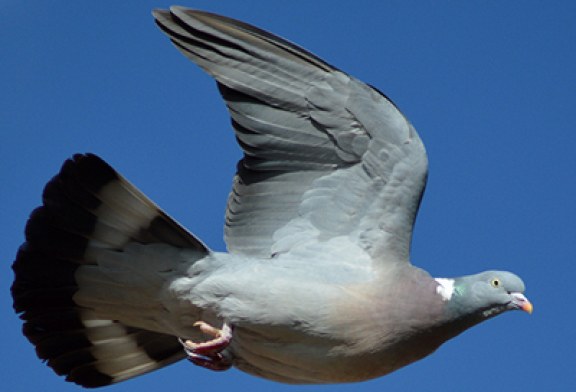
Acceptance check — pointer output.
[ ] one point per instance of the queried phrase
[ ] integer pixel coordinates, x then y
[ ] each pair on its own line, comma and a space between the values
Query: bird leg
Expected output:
209, 354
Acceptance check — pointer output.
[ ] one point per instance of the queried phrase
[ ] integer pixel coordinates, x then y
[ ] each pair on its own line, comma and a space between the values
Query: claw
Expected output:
217, 362
209, 354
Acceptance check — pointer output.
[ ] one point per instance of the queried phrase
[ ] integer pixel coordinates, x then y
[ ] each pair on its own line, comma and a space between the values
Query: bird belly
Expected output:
294, 357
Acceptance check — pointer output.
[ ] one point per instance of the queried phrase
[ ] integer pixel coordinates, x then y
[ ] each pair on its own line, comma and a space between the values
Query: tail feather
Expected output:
60, 275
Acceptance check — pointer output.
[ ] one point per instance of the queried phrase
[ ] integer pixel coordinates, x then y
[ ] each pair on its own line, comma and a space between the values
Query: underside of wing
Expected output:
325, 156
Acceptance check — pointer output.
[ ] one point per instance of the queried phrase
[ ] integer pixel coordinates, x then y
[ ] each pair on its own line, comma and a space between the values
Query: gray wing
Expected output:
326, 157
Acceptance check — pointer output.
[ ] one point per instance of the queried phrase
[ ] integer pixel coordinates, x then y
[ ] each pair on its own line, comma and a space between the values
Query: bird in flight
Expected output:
316, 285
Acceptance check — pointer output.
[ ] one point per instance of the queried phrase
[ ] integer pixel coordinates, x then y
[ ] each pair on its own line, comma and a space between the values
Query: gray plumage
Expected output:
317, 281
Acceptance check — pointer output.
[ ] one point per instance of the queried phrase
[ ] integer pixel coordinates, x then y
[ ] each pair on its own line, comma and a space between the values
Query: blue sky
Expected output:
489, 85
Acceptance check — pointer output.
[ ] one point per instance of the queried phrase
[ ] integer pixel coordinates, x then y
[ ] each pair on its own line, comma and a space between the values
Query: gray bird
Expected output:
317, 284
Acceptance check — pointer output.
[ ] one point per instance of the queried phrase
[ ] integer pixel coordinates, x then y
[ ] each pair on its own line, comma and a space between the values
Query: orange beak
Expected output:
522, 303
527, 307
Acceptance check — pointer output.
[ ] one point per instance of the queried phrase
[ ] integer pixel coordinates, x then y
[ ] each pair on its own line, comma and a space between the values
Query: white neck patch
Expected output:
445, 288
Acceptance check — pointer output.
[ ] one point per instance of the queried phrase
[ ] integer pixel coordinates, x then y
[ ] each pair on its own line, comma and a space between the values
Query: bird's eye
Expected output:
495, 282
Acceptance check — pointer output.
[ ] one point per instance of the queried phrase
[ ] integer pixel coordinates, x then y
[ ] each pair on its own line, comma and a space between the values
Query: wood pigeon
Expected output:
317, 284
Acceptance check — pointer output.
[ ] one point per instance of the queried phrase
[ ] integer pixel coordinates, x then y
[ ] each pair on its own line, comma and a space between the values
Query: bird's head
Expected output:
484, 295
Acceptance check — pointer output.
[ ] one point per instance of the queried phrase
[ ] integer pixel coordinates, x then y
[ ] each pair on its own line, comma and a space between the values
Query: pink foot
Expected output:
209, 354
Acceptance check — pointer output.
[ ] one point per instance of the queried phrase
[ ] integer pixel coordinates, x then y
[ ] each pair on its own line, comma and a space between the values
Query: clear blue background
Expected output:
490, 85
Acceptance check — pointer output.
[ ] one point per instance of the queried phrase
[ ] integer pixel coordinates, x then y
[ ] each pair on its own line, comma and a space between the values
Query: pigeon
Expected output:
316, 286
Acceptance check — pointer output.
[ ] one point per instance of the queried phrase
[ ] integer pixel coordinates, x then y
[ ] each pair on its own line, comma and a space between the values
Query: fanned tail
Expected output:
67, 275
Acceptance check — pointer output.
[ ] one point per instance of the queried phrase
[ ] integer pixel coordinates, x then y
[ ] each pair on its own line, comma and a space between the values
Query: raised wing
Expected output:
326, 157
